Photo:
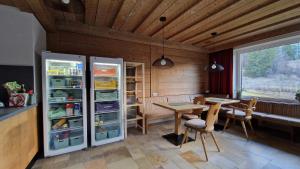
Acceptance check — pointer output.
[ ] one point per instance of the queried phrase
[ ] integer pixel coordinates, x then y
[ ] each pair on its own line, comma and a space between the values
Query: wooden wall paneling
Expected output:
22, 5
40, 10
170, 13
274, 20
138, 13
154, 15
198, 12
124, 12
245, 19
188, 71
229, 13
107, 11
90, 11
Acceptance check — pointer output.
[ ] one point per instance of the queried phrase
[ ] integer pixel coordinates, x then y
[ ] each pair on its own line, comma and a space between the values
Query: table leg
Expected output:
178, 122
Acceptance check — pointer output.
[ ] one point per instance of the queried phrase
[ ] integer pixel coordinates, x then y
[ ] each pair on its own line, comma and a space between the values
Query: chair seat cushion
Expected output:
237, 113
190, 116
195, 123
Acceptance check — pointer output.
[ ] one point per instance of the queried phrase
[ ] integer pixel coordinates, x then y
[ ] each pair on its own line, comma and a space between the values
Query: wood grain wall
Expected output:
187, 77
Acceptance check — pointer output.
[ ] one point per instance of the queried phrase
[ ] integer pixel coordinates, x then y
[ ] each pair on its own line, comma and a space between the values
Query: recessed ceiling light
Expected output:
65, 1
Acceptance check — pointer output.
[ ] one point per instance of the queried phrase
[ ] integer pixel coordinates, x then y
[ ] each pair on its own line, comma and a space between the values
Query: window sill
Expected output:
270, 100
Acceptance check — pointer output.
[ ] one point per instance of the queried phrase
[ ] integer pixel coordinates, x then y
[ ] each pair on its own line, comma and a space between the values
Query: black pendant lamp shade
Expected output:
214, 67
163, 62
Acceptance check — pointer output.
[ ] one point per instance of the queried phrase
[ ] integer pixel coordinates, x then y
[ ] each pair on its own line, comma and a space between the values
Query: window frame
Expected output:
259, 45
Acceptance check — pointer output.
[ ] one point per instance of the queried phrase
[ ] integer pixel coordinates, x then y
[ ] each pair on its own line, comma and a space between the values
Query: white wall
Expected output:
22, 39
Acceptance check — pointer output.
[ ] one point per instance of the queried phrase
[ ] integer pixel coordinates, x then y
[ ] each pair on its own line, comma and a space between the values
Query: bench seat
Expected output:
291, 121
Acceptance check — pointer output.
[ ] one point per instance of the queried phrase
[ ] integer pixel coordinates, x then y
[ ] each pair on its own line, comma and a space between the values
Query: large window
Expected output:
270, 73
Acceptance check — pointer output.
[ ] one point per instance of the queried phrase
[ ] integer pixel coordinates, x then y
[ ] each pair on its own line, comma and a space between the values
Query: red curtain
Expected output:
221, 82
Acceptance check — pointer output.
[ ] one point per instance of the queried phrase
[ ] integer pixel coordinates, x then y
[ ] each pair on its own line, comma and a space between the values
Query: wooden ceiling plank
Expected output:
277, 19
272, 31
156, 13
22, 5
40, 11
231, 12
107, 11
91, 11
198, 12
175, 10
243, 20
124, 12
139, 12
126, 36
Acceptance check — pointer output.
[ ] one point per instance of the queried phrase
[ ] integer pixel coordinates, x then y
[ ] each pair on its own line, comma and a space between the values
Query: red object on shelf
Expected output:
104, 72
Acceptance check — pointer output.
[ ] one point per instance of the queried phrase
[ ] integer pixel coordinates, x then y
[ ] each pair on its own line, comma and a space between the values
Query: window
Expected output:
270, 72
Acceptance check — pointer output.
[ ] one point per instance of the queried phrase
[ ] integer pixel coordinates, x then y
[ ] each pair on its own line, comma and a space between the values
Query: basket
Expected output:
106, 95
58, 82
113, 132
105, 84
76, 140
105, 72
101, 134
131, 112
106, 106
75, 122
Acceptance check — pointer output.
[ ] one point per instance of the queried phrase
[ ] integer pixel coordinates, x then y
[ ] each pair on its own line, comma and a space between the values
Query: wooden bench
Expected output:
279, 113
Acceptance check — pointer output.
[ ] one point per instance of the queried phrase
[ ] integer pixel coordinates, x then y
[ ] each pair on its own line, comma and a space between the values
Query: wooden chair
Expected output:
203, 127
243, 113
196, 113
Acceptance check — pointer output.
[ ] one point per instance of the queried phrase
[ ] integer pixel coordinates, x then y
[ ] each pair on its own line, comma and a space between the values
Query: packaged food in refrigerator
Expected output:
77, 110
60, 93
76, 122
69, 109
60, 140
104, 71
101, 133
101, 84
113, 131
106, 95
106, 106
56, 112
59, 124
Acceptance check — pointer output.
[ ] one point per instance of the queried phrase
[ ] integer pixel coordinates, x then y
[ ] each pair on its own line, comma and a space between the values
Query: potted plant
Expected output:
297, 96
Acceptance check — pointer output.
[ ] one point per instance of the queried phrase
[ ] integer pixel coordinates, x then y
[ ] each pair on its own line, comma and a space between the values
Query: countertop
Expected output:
8, 112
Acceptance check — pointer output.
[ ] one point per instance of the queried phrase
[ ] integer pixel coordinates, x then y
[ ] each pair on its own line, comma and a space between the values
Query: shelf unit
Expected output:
134, 94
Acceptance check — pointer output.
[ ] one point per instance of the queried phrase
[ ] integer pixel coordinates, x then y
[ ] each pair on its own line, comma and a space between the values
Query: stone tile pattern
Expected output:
151, 151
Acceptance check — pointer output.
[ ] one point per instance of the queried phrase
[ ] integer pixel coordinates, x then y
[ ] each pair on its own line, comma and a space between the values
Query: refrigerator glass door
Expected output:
65, 106
107, 113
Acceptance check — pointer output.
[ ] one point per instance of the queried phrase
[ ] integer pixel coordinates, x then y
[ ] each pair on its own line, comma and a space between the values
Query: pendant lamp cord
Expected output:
163, 37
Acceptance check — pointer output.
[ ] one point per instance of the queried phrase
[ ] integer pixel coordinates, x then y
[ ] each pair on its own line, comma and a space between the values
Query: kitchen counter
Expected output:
8, 112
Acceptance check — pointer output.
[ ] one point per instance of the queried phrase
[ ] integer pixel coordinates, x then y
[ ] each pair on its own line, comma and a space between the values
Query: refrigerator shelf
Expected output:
113, 100
65, 75
96, 76
104, 89
108, 111
107, 123
65, 117
69, 101
65, 88
66, 129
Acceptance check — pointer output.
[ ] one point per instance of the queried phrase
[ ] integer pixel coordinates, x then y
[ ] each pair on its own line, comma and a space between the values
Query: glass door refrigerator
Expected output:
107, 117
64, 103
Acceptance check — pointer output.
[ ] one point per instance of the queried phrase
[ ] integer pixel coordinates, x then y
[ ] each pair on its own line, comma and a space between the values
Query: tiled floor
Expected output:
152, 151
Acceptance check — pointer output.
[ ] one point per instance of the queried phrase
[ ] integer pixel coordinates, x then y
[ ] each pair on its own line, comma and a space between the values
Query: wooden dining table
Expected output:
179, 109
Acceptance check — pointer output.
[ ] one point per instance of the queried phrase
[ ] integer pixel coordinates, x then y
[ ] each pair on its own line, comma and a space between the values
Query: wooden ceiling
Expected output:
190, 23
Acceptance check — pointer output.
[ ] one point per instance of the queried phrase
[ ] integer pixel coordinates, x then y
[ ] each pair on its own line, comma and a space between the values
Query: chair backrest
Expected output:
199, 100
251, 107
212, 116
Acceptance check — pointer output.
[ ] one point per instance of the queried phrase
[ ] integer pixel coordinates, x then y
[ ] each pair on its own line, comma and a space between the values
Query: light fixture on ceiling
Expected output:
163, 62
214, 67
65, 1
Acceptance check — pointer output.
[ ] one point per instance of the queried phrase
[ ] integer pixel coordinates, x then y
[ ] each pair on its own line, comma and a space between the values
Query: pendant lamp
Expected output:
163, 62
214, 67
